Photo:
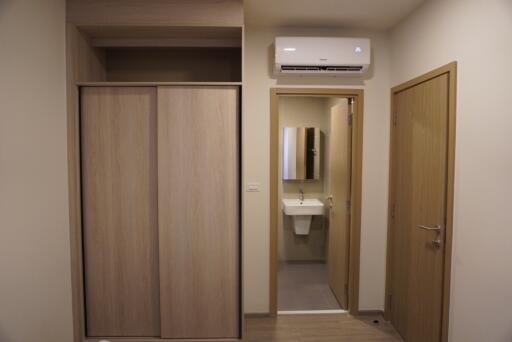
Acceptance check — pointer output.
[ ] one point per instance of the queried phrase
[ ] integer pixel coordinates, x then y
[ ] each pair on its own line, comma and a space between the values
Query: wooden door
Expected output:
198, 174
339, 213
119, 201
418, 200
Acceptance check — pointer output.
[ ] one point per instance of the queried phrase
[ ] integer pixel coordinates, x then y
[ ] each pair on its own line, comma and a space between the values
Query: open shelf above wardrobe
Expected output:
165, 54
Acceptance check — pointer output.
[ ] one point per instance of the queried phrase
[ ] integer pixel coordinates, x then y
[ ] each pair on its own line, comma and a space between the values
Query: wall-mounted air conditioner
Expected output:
321, 55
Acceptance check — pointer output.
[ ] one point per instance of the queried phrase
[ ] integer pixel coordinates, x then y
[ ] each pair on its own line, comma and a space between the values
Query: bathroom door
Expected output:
339, 213
418, 201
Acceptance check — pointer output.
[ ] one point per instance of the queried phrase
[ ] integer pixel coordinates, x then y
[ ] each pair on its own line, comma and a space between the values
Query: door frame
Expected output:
356, 181
451, 71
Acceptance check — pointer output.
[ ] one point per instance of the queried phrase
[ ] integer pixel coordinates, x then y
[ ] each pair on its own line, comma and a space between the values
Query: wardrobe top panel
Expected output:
155, 12
148, 84
162, 36
205, 32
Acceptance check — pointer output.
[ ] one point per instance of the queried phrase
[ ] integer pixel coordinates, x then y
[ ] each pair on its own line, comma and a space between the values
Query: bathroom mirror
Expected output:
301, 153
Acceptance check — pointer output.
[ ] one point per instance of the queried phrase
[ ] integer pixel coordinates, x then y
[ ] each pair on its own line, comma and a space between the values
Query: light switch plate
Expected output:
253, 187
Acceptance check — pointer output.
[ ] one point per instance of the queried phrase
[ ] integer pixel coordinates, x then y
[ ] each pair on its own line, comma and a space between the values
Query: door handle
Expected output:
437, 242
430, 229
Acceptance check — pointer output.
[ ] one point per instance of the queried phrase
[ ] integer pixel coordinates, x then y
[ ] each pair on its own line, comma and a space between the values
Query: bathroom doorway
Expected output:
316, 140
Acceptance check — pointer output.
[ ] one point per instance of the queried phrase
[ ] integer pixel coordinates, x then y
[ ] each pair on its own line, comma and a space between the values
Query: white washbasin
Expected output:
310, 206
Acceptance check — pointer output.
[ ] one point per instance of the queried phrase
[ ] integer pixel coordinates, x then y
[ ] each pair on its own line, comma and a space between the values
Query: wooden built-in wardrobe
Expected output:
160, 210
154, 117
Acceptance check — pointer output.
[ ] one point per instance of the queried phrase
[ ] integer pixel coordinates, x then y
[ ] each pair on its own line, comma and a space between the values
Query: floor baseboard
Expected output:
311, 312
370, 313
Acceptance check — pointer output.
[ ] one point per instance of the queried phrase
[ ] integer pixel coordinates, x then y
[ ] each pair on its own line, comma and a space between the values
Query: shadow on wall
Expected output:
318, 80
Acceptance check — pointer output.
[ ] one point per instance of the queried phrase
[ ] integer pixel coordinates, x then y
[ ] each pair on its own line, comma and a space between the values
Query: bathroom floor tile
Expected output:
304, 286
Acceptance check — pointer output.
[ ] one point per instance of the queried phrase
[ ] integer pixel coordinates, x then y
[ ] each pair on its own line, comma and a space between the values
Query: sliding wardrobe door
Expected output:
119, 199
198, 194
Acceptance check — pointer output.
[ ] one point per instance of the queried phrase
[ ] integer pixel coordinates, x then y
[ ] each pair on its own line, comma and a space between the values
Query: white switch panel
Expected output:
253, 187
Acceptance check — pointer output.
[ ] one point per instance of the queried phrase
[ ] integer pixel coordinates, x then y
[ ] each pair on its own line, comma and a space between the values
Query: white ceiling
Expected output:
358, 14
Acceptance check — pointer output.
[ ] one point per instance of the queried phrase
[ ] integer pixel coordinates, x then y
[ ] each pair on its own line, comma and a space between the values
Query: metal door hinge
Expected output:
351, 100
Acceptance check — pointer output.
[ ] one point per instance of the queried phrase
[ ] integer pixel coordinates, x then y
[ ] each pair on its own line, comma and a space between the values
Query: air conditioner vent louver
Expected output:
345, 68
321, 68
299, 68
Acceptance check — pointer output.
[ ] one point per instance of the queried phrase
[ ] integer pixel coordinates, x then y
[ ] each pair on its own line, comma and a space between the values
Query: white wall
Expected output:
477, 34
256, 123
35, 291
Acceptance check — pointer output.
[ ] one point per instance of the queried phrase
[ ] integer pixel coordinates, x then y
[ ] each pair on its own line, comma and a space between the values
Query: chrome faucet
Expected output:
301, 195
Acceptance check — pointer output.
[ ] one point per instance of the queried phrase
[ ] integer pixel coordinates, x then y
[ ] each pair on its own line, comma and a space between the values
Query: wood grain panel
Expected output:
155, 36
167, 42
155, 12
339, 215
199, 212
274, 199
155, 84
319, 328
83, 63
120, 227
144, 32
307, 328
419, 198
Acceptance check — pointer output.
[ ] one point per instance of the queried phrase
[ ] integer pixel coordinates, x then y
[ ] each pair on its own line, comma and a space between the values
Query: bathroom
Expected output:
314, 140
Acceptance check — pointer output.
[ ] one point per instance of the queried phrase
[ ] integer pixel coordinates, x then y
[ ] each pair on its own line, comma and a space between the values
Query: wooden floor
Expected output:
319, 328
